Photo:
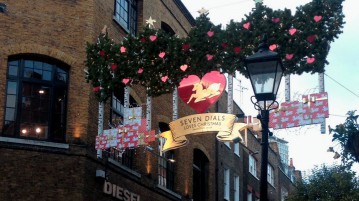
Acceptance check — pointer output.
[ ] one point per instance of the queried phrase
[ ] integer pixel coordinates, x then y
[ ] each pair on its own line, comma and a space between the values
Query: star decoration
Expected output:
150, 22
258, 1
203, 11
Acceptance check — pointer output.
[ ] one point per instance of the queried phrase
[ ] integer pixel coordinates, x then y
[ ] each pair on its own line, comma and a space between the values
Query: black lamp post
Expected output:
265, 71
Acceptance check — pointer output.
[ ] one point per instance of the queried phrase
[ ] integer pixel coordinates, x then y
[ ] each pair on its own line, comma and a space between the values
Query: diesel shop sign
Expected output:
119, 192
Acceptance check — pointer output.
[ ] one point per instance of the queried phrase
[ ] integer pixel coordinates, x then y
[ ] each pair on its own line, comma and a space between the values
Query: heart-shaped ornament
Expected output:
237, 49
292, 31
275, 19
247, 25
122, 49
311, 38
125, 80
289, 56
200, 94
210, 33
310, 60
153, 37
184, 67
317, 18
140, 70
273, 47
209, 57
164, 78
162, 54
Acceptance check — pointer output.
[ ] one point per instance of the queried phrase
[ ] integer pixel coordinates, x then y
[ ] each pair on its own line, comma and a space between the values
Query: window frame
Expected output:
131, 14
236, 148
270, 174
226, 184
252, 163
52, 68
236, 196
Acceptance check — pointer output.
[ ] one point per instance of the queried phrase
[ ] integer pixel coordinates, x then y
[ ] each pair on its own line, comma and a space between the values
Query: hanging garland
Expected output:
159, 61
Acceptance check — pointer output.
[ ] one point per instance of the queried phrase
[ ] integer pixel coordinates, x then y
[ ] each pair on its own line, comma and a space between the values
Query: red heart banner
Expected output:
200, 94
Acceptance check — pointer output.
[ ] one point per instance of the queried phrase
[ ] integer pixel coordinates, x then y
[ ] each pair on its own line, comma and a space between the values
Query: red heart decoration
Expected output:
247, 25
289, 56
292, 31
184, 67
311, 38
113, 67
153, 37
237, 49
210, 33
200, 94
273, 47
310, 60
317, 18
275, 20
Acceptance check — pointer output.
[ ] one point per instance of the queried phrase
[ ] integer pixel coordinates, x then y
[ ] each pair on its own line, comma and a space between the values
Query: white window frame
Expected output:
252, 166
236, 148
249, 196
270, 176
236, 188
226, 184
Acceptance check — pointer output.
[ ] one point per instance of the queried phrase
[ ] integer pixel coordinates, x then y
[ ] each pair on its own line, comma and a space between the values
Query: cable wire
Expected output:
342, 85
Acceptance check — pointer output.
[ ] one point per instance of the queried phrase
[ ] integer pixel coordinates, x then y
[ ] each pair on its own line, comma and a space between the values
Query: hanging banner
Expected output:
313, 109
201, 124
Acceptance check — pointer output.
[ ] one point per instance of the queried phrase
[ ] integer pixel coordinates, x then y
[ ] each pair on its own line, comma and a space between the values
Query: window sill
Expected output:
169, 191
124, 168
120, 24
34, 142
254, 176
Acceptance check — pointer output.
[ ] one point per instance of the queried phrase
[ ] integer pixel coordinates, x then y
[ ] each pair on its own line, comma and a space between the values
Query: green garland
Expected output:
157, 60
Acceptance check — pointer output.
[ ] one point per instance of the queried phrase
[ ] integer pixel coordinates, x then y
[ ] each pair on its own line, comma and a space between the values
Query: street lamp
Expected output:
265, 71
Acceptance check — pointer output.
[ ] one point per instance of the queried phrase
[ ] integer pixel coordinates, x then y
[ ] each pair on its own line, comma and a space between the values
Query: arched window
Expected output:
36, 98
200, 175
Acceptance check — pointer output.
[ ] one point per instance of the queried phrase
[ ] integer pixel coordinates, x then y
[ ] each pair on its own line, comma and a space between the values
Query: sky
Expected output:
307, 146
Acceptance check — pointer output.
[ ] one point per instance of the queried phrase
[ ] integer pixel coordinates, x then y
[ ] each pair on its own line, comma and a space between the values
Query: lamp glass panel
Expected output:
262, 75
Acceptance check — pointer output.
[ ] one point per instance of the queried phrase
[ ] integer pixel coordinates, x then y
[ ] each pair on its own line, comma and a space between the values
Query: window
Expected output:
252, 166
283, 194
124, 157
249, 196
270, 176
166, 165
126, 14
236, 188
226, 184
228, 144
236, 148
36, 98
200, 175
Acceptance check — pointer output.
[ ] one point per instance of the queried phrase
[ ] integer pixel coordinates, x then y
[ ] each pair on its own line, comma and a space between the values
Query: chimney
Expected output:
291, 162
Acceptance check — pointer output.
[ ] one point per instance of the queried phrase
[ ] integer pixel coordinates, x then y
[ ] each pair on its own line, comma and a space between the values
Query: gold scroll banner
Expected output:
202, 124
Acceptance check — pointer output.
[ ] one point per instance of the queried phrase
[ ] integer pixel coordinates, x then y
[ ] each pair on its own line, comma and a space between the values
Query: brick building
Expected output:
48, 117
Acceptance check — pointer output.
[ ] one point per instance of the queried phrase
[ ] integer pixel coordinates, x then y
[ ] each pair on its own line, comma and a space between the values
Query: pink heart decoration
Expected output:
162, 54
247, 25
153, 37
289, 56
200, 94
184, 67
317, 18
210, 33
140, 70
273, 47
292, 31
164, 78
275, 20
310, 60
209, 57
96, 89
122, 49
125, 80
311, 38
